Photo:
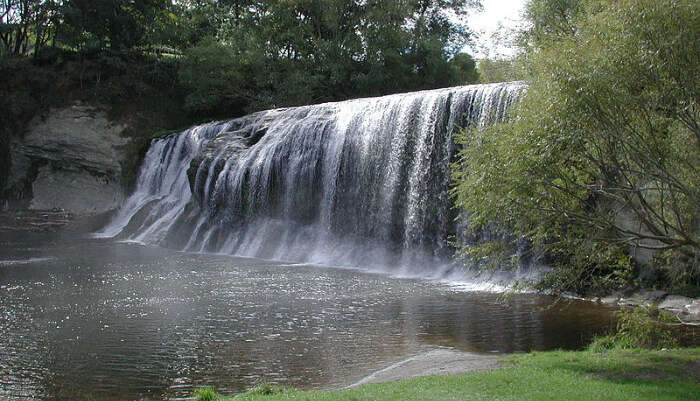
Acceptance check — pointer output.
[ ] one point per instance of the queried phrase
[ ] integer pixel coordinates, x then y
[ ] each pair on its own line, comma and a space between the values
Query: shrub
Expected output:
643, 326
206, 394
265, 388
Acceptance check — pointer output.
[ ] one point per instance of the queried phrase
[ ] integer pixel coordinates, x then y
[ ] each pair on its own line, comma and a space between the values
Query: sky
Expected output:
497, 15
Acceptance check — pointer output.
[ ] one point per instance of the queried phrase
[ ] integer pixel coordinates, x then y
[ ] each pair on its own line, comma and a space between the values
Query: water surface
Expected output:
89, 319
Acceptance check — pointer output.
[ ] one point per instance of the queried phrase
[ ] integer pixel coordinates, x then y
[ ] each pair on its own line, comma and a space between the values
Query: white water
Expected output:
356, 183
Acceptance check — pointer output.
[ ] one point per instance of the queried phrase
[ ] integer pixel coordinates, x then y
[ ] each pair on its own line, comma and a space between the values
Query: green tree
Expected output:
118, 25
464, 67
296, 52
499, 70
602, 158
26, 25
215, 72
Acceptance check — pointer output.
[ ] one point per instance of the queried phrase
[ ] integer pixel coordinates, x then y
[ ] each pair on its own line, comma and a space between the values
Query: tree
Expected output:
26, 25
602, 158
216, 74
118, 25
464, 66
499, 70
297, 52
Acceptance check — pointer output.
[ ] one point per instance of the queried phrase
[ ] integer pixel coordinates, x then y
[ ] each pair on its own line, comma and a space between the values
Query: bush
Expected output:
639, 327
206, 394
265, 388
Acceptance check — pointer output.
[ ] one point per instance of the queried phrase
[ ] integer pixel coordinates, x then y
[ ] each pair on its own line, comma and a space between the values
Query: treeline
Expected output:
164, 64
239, 55
599, 170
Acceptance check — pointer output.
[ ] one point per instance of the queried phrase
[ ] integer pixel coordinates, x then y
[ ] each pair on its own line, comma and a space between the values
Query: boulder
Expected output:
676, 303
693, 310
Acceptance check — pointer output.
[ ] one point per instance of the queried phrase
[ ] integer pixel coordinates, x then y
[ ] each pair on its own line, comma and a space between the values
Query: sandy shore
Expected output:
440, 361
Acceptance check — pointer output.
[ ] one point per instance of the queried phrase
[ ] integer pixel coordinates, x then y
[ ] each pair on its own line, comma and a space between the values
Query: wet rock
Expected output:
676, 303
649, 296
694, 310
612, 299
435, 362
688, 309
657, 296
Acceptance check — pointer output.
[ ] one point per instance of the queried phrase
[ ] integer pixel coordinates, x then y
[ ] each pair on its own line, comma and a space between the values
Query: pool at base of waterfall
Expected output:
102, 320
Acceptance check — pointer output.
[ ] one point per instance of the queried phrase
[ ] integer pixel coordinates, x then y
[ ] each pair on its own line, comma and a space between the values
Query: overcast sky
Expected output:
498, 16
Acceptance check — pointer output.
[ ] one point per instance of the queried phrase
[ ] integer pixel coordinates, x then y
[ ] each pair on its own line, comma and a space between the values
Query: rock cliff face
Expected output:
69, 159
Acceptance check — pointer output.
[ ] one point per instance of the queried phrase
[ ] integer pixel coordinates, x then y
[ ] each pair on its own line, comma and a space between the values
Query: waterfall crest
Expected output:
362, 182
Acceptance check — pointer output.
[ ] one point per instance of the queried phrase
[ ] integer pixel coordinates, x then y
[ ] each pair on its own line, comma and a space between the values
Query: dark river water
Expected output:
88, 319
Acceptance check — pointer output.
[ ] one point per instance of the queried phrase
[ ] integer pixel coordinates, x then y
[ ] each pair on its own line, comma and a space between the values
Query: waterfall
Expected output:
362, 182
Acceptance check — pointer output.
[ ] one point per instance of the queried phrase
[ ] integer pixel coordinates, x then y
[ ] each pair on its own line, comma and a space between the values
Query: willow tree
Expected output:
599, 166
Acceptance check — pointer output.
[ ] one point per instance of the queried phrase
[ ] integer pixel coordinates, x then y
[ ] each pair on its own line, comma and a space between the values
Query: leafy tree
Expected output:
601, 161
464, 66
215, 72
499, 70
118, 25
296, 52
550, 21
26, 25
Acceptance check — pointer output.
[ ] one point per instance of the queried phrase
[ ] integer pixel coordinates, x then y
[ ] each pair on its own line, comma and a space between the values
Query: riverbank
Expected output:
557, 375
440, 361
685, 309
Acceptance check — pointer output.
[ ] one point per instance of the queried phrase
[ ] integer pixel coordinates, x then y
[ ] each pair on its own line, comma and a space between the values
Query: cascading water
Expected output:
362, 182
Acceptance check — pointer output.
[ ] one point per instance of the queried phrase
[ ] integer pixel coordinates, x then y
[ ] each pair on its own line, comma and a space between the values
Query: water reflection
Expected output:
98, 320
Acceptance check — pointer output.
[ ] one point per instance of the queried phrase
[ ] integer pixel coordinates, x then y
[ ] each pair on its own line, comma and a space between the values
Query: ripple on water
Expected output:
124, 321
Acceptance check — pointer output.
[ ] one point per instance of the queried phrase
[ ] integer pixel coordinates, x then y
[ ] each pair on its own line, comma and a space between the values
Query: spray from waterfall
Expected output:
356, 183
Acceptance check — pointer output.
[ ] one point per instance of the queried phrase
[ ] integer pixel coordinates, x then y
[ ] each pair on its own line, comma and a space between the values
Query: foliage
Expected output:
206, 394
551, 21
643, 326
499, 70
215, 75
20, 99
602, 156
26, 24
118, 25
265, 388
465, 69
634, 375
282, 53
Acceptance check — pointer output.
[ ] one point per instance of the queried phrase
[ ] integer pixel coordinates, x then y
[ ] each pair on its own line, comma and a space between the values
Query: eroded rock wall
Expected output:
69, 159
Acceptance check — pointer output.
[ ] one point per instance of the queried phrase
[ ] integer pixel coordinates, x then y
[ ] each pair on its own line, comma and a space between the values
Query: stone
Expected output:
694, 310
676, 303
79, 136
69, 158
75, 191
649, 296
612, 299
657, 296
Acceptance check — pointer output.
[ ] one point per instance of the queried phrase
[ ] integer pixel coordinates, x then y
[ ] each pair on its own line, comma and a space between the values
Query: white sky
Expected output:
498, 16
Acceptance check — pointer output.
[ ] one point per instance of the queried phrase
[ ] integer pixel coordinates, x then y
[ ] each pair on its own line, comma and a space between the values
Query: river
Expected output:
83, 318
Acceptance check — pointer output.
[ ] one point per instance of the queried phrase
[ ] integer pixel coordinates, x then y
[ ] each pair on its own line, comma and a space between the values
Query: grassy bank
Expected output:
559, 375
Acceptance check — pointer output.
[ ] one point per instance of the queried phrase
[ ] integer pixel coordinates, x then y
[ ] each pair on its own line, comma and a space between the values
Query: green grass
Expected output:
558, 375
205, 394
